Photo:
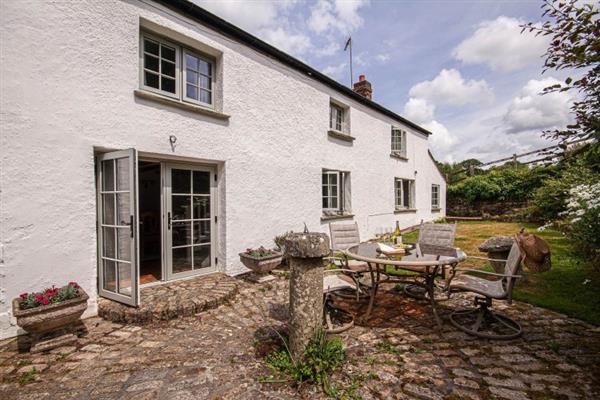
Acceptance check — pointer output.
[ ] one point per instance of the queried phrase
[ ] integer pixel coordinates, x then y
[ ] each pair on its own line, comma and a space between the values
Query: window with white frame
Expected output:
164, 65
337, 118
404, 192
335, 192
435, 196
398, 141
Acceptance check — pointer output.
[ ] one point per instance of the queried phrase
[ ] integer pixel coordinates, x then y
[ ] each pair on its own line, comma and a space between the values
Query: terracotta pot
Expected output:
50, 317
261, 265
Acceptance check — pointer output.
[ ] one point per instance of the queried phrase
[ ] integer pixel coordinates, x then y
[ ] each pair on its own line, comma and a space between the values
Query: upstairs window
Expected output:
404, 191
335, 192
398, 142
435, 196
337, 118
164, 65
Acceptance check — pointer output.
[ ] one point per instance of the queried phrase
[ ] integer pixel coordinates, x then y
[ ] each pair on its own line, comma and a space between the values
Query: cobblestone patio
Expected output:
218, 355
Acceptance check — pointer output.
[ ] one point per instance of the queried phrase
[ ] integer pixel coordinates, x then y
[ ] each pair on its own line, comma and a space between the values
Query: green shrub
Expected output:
321, 358
583, 211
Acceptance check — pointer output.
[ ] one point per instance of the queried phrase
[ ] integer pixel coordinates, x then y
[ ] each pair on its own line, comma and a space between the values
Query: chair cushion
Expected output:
478, 285
358, 266
332, 283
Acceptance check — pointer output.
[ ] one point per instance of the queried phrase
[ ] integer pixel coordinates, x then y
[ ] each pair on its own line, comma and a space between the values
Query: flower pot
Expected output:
261, 266
43, 320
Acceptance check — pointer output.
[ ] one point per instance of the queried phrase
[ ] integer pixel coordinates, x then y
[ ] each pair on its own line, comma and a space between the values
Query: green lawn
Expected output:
570, 287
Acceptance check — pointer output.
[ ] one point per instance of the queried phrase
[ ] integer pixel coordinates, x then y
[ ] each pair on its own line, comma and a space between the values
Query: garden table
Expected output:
429, 266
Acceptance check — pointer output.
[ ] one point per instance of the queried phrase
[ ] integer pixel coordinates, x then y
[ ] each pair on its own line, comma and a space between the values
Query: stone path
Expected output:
218, 355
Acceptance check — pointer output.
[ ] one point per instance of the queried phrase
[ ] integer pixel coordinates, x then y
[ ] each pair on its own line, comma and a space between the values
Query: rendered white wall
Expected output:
68, 73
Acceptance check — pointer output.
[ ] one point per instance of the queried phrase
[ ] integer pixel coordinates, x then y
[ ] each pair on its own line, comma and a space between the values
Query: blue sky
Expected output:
461, 69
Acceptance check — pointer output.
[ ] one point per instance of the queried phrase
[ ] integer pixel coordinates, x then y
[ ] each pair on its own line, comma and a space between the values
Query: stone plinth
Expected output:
305, 252
497, 248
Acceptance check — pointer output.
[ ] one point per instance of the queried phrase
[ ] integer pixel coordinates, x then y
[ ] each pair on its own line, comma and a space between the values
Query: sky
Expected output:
461, 69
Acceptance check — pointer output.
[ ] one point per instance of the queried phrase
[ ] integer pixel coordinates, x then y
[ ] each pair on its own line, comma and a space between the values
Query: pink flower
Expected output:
74, 284
23, 295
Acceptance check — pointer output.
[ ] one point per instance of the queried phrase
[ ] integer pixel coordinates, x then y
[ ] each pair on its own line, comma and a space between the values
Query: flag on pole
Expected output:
348, 43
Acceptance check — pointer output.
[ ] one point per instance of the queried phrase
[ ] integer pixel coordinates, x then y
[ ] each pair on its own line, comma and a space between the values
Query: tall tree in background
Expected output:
574, 28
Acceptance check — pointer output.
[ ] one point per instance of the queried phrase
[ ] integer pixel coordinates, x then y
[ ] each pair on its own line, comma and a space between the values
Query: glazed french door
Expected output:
117, 226
190, 220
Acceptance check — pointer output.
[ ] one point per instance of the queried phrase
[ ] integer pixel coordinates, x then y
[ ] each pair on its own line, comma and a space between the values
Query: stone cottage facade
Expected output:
146, 141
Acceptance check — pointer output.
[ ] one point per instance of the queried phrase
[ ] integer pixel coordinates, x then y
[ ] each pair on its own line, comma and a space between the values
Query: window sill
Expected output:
179, 104
436, 209
398, 156
340, 135
334, 217
405, 210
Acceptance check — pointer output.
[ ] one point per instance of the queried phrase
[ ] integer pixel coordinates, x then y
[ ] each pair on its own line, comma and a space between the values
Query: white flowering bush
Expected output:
583, 213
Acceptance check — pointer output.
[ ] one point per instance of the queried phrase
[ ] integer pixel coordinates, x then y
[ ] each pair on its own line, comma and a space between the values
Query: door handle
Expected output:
169, 220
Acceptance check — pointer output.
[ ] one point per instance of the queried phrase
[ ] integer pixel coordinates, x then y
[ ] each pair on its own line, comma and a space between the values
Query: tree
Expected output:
574, 28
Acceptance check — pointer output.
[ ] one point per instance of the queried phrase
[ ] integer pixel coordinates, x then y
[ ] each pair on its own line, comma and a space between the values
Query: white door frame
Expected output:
167, 215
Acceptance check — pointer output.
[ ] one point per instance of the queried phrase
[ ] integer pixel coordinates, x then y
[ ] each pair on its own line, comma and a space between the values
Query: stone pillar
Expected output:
305, 253
497, 248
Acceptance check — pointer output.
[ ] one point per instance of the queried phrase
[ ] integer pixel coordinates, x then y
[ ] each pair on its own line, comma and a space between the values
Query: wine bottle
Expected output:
398, 234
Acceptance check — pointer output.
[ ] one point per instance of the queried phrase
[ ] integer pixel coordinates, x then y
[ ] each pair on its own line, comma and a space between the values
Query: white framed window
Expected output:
398, 141
159, 66
172, 70
335, 192
338, 117
435, 196
198, 73
404, 192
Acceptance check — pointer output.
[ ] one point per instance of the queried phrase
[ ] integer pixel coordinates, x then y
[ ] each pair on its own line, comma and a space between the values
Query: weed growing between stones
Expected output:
28, 377
321, 358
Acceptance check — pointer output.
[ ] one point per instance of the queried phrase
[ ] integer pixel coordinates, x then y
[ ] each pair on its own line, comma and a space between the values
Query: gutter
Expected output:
218, 24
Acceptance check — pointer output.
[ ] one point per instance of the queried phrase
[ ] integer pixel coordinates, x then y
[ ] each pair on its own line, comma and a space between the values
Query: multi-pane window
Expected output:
336, 118
404, 193
160, 66
335, 192
435, 196
398, 141
164, 65
198, 73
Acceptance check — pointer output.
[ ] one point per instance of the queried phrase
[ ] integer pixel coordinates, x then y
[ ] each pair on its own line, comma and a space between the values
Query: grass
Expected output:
570, 287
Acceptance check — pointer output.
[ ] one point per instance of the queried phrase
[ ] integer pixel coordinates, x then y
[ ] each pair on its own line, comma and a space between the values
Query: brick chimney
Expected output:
363, 87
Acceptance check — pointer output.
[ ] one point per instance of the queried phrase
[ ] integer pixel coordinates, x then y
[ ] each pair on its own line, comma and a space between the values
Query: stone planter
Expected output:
261, 266
41, 322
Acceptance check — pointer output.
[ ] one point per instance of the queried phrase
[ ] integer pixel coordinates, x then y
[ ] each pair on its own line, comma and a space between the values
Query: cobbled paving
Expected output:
397, 354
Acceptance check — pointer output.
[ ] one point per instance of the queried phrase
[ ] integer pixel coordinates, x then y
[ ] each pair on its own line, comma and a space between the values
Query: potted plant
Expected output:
261, 261
50, 311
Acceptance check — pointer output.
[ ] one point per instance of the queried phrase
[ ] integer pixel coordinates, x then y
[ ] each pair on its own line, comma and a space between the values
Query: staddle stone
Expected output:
305, 253
497, 247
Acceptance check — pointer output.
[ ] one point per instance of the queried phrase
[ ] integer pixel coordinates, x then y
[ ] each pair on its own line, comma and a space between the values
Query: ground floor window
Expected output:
435, 196
335, 192
404, 190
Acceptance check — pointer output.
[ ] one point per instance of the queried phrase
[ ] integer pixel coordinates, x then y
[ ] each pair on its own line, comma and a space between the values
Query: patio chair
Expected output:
481, 321
334, 282
436, 239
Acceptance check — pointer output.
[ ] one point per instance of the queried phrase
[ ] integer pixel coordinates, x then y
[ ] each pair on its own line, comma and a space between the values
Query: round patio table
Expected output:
428, 266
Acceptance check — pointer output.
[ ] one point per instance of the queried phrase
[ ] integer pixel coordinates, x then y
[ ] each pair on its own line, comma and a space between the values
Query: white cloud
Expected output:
336, 15
382, 58
330, 49
418, 110
441, 140
295, 43
532, 111
362, 59
450, 88
500, 45
335, 71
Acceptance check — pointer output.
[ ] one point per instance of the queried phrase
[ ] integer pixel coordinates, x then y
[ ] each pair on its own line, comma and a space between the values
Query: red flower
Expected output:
23, 295
45, 301
39, 297
74, 284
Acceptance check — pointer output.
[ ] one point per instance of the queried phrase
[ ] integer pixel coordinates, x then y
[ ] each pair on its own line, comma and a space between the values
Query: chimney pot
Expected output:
361, 78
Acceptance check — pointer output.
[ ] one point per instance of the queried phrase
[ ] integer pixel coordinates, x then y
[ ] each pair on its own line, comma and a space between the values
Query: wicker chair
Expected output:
481, 321
436, 239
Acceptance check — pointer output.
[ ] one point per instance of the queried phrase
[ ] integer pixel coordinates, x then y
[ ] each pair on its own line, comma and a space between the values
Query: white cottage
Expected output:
151, 140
